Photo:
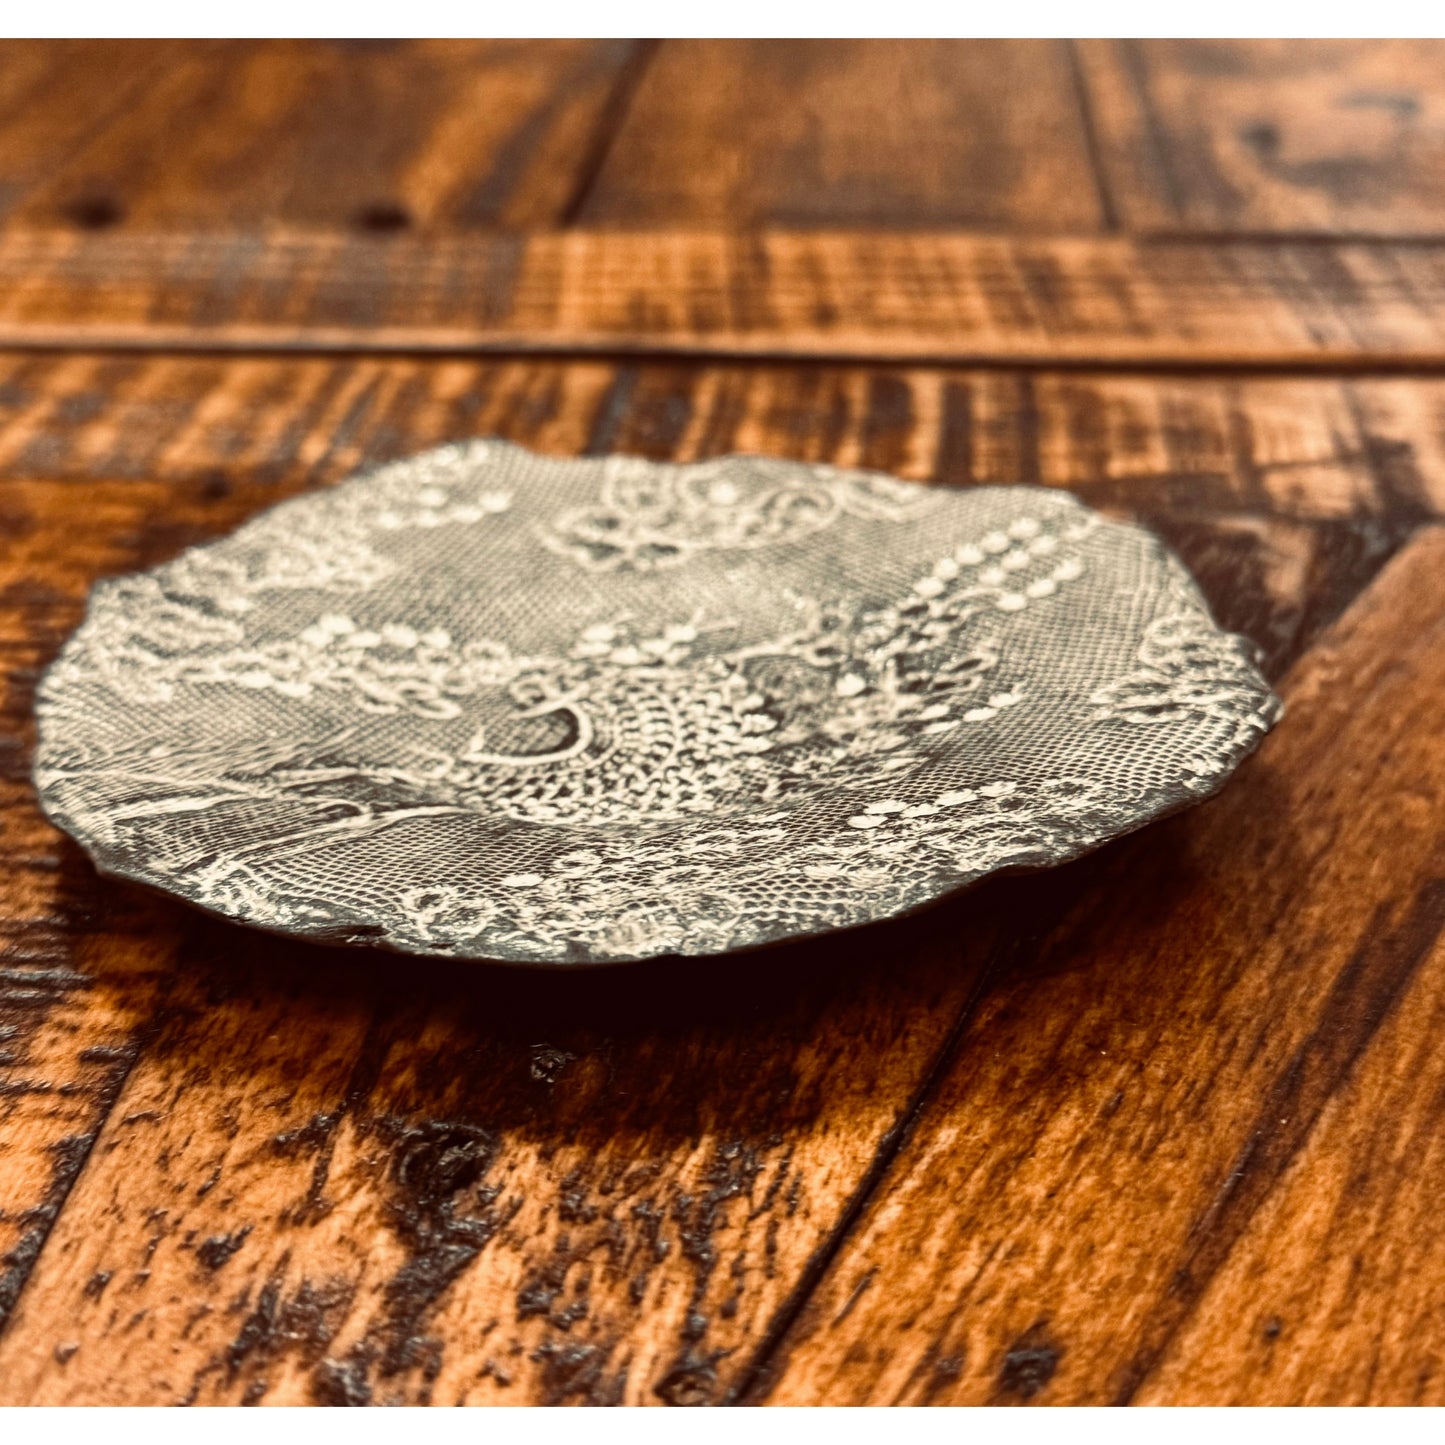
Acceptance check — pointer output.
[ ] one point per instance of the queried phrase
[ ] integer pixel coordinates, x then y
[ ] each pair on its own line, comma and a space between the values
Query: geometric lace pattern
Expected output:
496, 705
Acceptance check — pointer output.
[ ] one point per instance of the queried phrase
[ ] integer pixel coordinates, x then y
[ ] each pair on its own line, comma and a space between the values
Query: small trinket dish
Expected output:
501, 706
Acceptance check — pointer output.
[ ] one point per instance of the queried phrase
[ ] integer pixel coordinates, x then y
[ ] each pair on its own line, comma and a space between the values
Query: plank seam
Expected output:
1425, 367
758, 1378
609, 125
1137, 71
1089, 128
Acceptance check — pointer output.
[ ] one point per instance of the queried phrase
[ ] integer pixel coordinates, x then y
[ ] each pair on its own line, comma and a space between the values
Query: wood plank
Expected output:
947, 298
439, 1188
247, 135
1326, 137
1118, 1113
83, 966
1337, 137
1332, 1291
325, 1178
55, 95
738, 134
679, 1211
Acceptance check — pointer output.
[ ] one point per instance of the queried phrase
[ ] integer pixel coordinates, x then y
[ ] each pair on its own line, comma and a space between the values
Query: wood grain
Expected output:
301, 1174
394, 1125
1332, 137
1330, 1292
54, 98
1224, 137
1156, 1102
919, 134
247, 135
1159, 1126
923, 297
82, 967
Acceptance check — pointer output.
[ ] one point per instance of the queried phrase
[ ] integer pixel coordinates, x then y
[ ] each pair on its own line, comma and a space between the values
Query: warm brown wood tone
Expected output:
1349, 1308
302, 1174
55, 96
1221, 136
919, 297
1162, 1125
1332, 136
1174, 1079
337, 134
743, 133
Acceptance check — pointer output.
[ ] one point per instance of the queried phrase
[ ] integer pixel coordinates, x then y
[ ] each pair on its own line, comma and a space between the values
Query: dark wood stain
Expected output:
1089, 1022
1029, 1364
1158, 1126
1362, 994
1239, 136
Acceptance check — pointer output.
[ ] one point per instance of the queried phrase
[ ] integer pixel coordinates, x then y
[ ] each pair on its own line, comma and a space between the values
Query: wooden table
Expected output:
1164, 1125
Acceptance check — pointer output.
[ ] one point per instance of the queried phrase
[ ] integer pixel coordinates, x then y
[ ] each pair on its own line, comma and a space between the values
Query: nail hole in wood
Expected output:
383, 216
94, 212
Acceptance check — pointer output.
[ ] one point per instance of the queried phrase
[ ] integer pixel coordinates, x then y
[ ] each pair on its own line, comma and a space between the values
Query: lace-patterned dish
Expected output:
494, 705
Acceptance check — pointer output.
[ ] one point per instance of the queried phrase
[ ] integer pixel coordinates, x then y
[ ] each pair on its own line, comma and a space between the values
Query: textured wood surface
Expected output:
1349, 1309
1325, 136
742, 133
55, 96
925, 296
368, 136
1121, 1111
1226, 137
1159, 1126
293, 1174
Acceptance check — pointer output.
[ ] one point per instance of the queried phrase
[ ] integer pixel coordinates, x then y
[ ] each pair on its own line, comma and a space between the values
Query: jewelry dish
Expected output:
494, 705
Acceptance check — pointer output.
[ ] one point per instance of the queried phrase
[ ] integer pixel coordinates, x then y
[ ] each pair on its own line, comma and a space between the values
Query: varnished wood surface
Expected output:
366, 136
730, 134
387, 1168
1161, 1126
1332, 137
926, 296
1119, 1110
748, 133
1224, 137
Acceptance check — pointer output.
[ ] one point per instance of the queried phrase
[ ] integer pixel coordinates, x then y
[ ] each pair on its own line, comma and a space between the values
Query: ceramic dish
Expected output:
500, 706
